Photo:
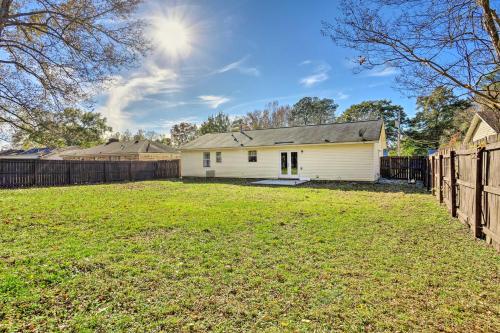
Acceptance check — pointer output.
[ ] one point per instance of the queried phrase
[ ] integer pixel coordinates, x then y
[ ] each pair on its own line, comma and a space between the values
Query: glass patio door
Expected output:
289, 164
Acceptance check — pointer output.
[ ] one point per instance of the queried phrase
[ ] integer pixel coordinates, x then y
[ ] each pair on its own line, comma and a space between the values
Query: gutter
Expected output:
284, 145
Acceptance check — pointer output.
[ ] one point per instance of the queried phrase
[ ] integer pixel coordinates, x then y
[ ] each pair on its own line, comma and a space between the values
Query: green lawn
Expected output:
173, 256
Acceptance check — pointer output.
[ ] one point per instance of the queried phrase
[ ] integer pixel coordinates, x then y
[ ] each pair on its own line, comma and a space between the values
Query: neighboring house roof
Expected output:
33, 153
314, 134
123, 148
490, 118
9, 152
57, 154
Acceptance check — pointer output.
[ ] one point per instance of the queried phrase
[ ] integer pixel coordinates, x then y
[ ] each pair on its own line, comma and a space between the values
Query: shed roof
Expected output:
314, 134
123, 148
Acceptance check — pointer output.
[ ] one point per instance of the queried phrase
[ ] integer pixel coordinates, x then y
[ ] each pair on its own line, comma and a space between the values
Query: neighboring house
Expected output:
57, 153
114, 150
30, 154
342, 151
37, 153
484, 124
10, 152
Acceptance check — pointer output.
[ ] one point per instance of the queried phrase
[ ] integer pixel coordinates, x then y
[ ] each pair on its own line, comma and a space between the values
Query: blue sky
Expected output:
235, 56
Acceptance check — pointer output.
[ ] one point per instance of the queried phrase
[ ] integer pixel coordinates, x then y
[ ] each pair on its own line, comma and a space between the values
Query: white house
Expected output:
484, 124
342, 151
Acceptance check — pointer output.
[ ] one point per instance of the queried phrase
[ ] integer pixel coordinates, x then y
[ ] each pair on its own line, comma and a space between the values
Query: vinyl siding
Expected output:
322, 162
482, 131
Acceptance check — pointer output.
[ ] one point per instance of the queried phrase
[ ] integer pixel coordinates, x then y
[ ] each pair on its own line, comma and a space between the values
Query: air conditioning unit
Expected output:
210, 173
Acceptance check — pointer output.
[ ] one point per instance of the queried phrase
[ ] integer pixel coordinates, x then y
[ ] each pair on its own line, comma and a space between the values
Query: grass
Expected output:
173, 256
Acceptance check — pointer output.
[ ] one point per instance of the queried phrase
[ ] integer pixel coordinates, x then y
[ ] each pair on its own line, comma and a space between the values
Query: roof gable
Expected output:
315, 134
491, 118
486, 117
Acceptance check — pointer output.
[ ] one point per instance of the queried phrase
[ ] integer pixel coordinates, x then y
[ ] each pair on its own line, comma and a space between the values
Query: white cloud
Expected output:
165, 125
342, 96
213, 101
314, 79
168, 124
239, 66
149, 80
386, 71
319, 74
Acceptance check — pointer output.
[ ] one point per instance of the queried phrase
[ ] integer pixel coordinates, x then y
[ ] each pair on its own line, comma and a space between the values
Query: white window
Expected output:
218, 157
206, 160
252, 156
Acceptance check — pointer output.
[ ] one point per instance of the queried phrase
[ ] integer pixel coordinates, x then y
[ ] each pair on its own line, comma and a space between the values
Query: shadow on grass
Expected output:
315, 184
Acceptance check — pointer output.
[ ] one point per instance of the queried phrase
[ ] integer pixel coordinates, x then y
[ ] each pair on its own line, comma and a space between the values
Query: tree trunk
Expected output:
490, 21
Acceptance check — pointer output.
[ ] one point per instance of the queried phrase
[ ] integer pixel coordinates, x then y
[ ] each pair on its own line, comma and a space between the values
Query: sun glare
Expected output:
171, 36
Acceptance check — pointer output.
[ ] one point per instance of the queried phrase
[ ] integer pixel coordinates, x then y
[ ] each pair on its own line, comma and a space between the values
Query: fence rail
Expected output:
15, 173
467, 181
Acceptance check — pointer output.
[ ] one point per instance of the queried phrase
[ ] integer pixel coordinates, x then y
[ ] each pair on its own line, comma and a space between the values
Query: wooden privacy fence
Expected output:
410, 168
467, 181
16, 173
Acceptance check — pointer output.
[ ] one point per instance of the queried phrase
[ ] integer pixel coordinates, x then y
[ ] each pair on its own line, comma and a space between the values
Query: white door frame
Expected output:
289, 164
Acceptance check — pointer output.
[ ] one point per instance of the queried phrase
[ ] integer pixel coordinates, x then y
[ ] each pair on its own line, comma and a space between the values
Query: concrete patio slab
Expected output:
280, 182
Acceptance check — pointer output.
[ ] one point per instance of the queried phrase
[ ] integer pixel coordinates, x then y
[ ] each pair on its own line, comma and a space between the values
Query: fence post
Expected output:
35, 172
440, 178
69, 171
478, 188
104, 169
390, 167
433, 177
453, 185
426, 174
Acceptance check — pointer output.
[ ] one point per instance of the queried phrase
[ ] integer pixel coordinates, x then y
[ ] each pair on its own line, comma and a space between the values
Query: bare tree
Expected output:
433, 43
182, 133
280, 114
57, 53
273, 115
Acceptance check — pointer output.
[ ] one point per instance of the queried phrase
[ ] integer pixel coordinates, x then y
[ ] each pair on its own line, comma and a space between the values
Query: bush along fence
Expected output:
467, 181
15, 173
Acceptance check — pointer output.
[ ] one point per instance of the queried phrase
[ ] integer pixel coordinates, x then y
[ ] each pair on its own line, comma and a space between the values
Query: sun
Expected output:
171, 36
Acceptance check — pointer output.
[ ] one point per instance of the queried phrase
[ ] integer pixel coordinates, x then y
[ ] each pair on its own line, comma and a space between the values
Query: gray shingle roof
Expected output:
125, 147
314, 134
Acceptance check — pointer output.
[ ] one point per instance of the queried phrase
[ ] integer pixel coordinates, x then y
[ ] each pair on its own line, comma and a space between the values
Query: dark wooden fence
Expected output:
15, 173
467, 181
410, 168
